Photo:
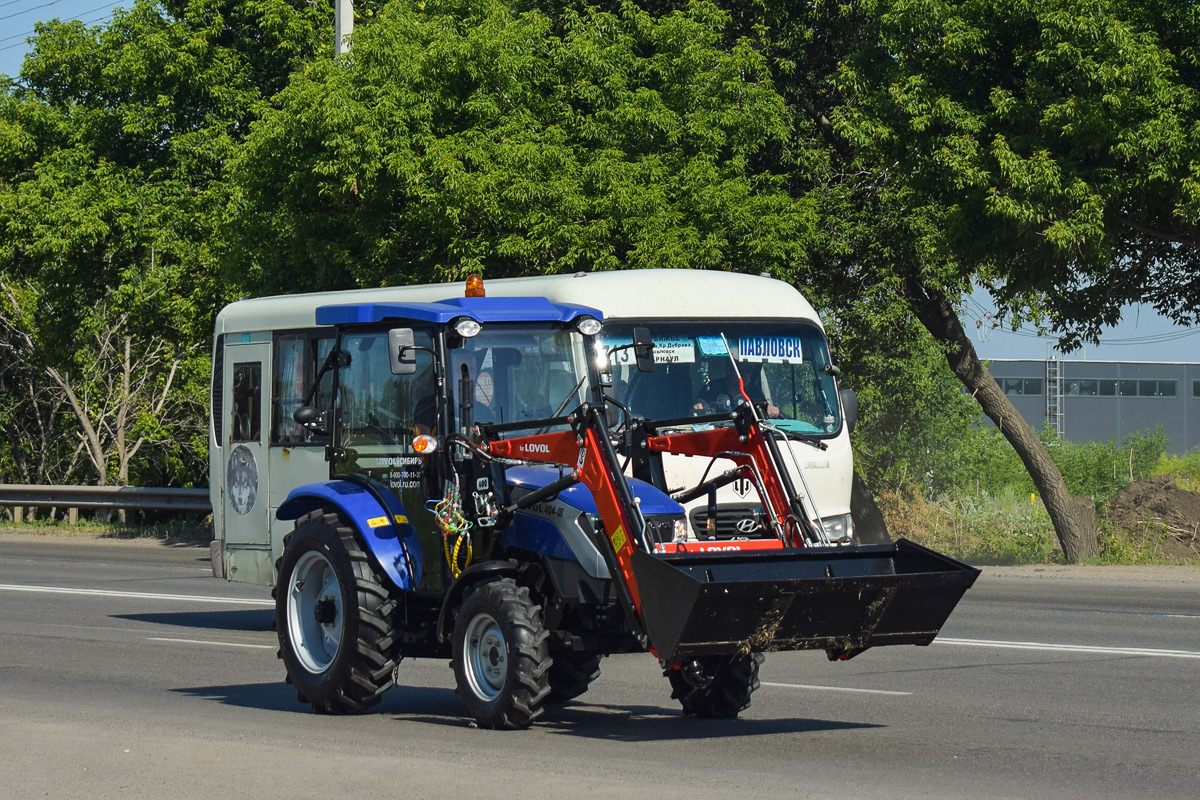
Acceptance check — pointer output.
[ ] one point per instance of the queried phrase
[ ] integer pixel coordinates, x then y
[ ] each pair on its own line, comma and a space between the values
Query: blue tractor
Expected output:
490, 499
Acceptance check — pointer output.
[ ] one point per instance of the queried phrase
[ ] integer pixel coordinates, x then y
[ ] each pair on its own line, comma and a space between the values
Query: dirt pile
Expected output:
1156, 513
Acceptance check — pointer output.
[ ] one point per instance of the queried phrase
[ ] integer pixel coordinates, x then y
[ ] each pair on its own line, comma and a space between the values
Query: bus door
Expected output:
244, 487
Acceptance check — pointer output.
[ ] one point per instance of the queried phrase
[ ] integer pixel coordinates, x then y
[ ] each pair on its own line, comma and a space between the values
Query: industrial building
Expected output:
1101, 400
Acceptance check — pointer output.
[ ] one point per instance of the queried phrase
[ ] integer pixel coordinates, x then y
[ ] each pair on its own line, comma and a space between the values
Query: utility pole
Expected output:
343, 25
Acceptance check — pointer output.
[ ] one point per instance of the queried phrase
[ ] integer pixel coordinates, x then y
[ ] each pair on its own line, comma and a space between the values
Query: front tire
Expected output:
717, 687
333, 616
501, 657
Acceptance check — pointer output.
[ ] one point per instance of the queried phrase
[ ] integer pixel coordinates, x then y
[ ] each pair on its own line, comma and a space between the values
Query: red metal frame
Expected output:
623, 527
746, 450
565, 447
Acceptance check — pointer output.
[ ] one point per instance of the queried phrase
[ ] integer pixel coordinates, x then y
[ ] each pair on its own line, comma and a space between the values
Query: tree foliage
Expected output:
464, 135
124, 395
34, 448
113, 146
884, 155
1044, 148
1052, 146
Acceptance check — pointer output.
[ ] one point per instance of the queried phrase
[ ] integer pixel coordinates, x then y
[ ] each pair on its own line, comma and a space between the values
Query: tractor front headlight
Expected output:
588, 326
467, 327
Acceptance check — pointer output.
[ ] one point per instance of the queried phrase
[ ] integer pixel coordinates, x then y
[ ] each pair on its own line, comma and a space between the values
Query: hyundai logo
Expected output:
747, 525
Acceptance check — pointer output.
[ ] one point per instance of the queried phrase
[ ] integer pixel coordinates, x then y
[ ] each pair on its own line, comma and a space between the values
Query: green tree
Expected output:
914, 421
463, 135
1049, 149
113, 146
35, 447
1045, 148
124, 396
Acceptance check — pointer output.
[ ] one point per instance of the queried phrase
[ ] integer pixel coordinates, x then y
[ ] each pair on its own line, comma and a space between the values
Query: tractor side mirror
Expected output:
643, 349
849, 407
402, 351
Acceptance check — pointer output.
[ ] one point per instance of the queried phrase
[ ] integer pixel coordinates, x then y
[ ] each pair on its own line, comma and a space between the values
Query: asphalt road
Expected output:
126, 670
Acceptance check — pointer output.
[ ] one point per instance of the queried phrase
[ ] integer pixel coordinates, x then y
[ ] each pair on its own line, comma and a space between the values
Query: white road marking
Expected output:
218, 644
835, 688
1072, 648
8, 587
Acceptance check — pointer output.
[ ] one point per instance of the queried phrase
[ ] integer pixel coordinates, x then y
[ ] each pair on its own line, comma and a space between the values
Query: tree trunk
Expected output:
869, 525
1073, 517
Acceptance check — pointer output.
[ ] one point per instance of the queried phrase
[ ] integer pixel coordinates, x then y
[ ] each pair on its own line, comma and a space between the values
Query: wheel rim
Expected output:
486, 657
698, 674
314, 612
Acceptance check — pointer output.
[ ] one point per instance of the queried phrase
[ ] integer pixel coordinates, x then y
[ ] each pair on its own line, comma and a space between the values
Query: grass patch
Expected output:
1151, 542
1184, 468
977, 528
168, 532
1009, 529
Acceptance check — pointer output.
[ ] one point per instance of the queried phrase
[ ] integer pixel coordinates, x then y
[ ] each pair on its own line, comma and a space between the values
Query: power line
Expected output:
986, 313
1154, 338
14, 2
24, 36
78, 18
31, 8
985, 321
1151, 338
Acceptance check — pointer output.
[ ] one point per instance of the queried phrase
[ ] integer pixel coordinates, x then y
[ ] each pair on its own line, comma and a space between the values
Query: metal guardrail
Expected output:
134, 498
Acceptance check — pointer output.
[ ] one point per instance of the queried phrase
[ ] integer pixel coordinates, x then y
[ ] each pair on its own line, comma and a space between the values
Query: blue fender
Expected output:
388, 537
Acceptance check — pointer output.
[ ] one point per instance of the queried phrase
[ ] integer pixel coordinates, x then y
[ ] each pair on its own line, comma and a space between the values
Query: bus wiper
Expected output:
800, 437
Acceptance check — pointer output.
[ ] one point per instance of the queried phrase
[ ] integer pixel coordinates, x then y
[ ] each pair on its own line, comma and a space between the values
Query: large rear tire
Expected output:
333, 617
501, 657
718, 687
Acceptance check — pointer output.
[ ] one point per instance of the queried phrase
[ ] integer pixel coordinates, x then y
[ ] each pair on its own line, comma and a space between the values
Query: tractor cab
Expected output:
408, 386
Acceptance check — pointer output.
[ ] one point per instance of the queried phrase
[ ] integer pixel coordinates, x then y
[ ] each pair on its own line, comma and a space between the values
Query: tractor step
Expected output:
841, 600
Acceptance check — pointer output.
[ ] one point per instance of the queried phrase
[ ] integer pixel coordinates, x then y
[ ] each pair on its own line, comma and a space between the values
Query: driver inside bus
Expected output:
721, 393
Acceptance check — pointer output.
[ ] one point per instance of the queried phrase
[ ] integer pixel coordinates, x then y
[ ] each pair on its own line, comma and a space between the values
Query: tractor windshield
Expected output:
506, 373
784, 365
514, 373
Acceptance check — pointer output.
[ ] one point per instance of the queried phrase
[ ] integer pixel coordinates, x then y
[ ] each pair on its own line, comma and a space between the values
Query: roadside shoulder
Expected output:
92, 537
1159, 573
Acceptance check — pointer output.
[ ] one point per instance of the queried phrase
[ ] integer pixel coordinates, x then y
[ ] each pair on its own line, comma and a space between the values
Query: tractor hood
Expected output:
650, 499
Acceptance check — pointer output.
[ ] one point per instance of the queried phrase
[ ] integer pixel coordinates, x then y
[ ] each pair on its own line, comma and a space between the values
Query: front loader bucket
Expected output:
834, 599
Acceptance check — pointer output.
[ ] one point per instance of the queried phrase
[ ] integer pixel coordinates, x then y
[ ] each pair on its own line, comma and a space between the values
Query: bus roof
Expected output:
668, 293
632, 294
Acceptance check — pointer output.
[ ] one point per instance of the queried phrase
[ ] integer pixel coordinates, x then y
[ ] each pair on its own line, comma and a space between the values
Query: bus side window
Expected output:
247, 402
297, 358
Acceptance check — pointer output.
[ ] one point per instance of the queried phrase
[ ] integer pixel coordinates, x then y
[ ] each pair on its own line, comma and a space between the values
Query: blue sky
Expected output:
1142, 335
17, 18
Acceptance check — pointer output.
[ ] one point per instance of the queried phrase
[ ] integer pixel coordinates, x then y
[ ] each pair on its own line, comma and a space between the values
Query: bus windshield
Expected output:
784, 365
